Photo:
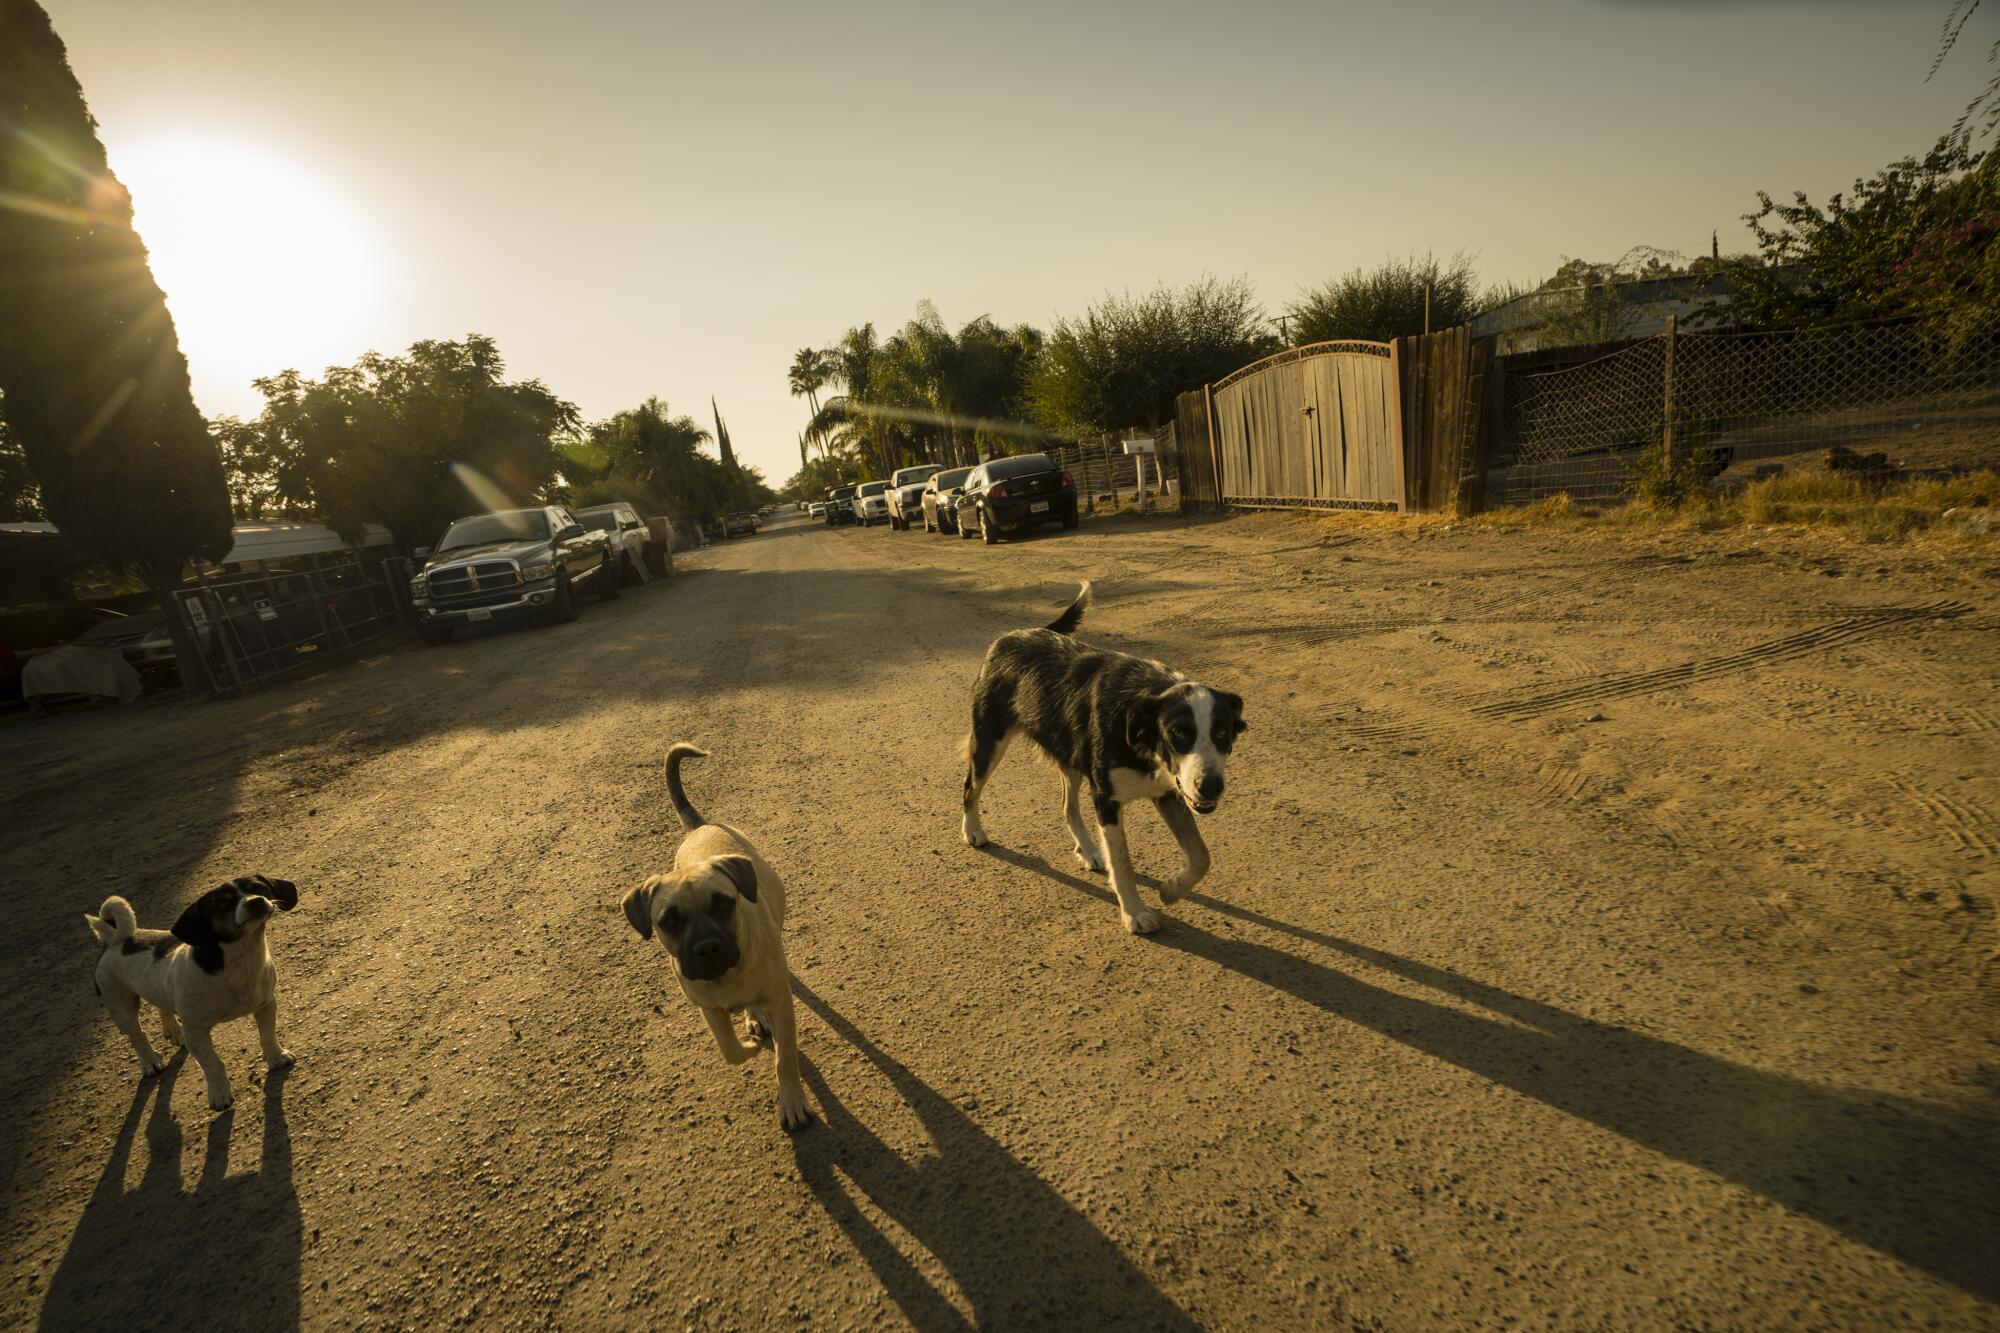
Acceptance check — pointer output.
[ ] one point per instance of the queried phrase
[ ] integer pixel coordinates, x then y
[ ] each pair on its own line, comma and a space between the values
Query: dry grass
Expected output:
1872, 511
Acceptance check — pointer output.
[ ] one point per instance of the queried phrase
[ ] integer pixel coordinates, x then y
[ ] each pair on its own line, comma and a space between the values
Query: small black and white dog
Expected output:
213, 966
1125, 728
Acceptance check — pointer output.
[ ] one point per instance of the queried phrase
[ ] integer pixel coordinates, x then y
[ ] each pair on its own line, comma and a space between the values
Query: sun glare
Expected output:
264, 266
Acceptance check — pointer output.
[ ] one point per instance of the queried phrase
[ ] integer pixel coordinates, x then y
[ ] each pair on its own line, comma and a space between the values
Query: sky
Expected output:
642, 198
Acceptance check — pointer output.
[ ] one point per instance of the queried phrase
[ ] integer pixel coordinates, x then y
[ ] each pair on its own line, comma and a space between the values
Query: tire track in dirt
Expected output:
1965, 821
1520, 706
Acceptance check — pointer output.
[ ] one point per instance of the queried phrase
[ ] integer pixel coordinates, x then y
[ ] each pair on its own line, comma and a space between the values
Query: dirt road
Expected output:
1601, 935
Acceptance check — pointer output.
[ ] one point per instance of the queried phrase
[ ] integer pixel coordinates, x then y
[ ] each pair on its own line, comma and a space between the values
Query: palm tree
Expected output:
812, 369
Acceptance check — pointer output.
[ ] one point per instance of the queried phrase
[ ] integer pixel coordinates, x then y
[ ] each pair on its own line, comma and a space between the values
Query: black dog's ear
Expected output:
742, 872
194, 930
280, 891
1232, 704
1142, 722
639, 907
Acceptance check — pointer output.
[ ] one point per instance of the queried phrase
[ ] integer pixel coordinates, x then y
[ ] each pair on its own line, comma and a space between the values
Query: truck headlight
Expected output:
420, 586
536, 573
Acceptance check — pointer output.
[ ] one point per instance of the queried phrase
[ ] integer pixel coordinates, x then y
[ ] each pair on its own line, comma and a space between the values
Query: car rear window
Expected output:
1020, 465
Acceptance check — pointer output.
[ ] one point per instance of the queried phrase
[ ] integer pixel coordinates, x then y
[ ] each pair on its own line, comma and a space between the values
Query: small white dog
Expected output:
211, 967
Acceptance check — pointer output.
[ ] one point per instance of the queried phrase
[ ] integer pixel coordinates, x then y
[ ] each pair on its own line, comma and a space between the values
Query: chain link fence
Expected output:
1107, 478
1744, 400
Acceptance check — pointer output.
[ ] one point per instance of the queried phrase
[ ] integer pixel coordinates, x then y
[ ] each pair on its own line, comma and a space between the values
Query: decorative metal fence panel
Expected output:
1314, 426
1744, 399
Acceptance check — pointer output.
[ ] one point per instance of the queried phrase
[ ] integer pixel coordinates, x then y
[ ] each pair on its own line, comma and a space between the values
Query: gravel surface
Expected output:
1601, 934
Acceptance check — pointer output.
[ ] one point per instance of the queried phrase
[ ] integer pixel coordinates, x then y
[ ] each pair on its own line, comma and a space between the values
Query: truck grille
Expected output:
470, 581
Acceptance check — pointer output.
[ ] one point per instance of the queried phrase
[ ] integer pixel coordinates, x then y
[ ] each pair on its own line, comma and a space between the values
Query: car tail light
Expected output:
997, 492
1067, 483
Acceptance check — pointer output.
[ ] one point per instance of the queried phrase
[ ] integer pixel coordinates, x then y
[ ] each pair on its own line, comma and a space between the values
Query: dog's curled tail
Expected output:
1072, 615
690, 817
114, 922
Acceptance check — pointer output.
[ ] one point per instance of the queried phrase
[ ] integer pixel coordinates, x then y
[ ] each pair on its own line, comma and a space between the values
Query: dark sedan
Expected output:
1009, 494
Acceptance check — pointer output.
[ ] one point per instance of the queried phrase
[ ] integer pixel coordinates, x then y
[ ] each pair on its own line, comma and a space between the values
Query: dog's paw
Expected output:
793, 1112
285, 1060
1142, 922
1089, 860
756, 1033
150, 1065
1179, 887
974, 835
221, 1101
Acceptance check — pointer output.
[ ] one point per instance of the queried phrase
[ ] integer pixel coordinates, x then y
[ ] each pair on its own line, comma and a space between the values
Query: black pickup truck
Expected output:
516, 564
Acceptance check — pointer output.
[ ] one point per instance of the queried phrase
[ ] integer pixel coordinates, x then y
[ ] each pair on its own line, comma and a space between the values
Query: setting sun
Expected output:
264, 265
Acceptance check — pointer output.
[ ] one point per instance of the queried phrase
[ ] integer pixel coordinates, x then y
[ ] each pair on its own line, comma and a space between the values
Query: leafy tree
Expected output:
92, 378
926, 393
1387, 301
1983, 111
411, 442
1124, 360
652, 458
20, 498
1914, 239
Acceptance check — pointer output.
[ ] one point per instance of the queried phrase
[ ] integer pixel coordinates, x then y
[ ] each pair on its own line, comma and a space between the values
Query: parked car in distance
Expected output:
840, 504
627, 534
816, 508
871, 506
940, 495
905, 493
742, 523
511, 565
141, 638
1024, 491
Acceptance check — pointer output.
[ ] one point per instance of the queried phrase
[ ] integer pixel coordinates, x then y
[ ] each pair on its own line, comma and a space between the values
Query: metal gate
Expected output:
1318, 425
257, 627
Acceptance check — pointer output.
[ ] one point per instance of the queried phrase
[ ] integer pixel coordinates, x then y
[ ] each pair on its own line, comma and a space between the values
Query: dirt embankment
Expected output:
1601, 934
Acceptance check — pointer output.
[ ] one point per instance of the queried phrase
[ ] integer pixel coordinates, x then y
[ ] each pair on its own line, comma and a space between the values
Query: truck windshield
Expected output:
605, 522
516, 525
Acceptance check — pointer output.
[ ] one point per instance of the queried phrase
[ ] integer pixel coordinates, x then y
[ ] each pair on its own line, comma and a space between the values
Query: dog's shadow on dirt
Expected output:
1912, 1180
1018, 1252
160, 1256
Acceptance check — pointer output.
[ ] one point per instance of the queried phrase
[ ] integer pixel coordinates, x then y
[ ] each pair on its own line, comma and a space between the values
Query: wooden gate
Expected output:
1315, 425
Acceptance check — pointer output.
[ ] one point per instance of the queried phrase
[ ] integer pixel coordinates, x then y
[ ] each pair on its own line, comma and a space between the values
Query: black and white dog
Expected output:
1122, 727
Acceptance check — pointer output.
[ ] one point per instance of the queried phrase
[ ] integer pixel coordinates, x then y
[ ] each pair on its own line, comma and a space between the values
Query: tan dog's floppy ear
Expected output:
742, 872
639, 906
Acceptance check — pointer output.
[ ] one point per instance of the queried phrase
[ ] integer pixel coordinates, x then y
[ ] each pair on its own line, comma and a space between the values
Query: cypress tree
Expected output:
92, 379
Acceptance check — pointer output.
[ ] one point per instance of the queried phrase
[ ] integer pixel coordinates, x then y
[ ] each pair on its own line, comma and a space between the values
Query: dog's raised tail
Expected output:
114, 922
1072, 615
690, 817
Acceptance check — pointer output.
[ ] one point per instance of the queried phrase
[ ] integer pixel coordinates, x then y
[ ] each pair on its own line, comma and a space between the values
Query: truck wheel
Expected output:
562, 610
987, 532
608, 577
434, 636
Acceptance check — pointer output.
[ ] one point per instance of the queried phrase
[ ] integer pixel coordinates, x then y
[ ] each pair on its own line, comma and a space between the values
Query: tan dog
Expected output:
718, 914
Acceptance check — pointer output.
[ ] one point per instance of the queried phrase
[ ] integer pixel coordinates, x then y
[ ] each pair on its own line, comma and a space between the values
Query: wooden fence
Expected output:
1358, 425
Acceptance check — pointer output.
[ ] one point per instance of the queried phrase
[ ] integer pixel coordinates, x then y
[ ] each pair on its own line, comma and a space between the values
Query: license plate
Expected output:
1039, 507
479, 615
